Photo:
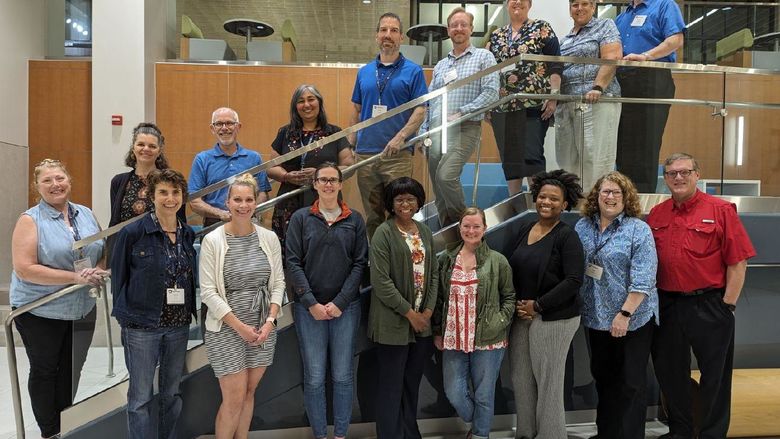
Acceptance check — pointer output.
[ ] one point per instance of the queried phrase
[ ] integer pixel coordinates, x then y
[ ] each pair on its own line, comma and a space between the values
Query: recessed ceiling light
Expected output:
68, 20
85, 33
366, 2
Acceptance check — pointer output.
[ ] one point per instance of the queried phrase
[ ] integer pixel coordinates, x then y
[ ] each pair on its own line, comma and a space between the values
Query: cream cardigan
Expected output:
213, 248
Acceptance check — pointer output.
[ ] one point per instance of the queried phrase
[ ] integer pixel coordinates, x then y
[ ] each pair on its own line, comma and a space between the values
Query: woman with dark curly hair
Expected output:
405, 278
619, 302
547, 269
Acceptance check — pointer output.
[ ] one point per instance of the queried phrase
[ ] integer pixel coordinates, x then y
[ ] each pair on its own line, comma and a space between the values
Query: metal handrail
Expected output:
16, 394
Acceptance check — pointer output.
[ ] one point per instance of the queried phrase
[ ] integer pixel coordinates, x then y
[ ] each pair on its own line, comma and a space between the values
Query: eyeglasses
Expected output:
685, 173
617, 193
409, 200
328, 180
229, 124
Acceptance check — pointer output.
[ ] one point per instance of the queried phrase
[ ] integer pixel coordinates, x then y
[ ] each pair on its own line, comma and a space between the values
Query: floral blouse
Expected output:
462, 312
417, 250
136, 200
535, 37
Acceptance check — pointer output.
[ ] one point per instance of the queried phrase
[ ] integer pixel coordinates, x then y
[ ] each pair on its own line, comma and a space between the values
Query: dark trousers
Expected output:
705, 324
509, 131
619, 367
641, 128
400, 372
57, 350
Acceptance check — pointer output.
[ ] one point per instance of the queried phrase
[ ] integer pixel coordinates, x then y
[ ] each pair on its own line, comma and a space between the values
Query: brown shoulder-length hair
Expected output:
630, 195
152, 130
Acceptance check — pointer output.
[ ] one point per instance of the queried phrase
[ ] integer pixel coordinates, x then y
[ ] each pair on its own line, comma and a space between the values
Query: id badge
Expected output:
594, 271
174, 296
450, 76
638, 21
376, 110
81, 264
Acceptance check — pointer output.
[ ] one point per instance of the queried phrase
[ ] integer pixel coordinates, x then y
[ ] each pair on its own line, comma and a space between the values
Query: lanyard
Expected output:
380, 85
596, 239
74, 229
310, 137
176, 255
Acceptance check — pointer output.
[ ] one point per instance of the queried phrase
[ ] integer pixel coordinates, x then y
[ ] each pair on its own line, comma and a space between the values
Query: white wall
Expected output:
20, 40
128, 37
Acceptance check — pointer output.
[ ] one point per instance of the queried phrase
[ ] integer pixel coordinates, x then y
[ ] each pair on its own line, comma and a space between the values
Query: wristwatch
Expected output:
625, 313
731, 306
427, 142
598, 88
272, 320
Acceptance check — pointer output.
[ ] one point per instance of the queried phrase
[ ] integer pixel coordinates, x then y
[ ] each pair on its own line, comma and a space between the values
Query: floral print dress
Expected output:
417, 250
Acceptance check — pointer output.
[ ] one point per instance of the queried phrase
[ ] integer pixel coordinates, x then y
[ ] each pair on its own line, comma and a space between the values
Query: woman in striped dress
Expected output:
242, 283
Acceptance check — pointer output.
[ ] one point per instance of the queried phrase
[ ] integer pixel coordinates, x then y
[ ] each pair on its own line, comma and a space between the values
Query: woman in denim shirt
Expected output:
154, 300
56, 335
619, 302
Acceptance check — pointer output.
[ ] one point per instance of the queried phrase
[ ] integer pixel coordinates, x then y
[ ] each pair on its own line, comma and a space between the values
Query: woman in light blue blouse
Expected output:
593, 153
619, 302
56, 335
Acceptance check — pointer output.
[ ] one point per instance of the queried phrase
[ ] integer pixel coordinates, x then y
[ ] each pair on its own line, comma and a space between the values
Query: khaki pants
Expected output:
372, 180
445, 169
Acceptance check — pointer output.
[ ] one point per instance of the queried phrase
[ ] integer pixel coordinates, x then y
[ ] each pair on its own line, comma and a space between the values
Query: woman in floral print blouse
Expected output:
520, 125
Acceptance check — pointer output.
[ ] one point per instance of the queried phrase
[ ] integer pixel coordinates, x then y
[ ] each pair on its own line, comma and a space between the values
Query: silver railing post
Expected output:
109, 339
16, 393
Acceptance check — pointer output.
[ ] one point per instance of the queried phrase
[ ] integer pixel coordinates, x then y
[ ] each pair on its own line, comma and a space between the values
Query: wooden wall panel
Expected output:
60, 121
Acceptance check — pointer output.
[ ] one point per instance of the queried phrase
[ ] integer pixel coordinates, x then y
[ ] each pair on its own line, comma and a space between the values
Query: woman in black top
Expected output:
130, 195
548, 266
308, 123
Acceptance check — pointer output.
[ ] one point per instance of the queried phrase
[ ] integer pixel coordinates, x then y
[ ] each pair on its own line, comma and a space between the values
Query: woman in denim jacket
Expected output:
471, 321
153, 284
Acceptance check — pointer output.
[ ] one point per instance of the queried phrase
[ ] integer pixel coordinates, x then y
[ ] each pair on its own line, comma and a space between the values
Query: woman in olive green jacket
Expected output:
475, 307
404, 276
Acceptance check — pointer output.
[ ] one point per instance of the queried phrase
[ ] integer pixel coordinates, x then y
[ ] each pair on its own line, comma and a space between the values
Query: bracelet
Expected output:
284, 178
647, 55
598, 88
537, 307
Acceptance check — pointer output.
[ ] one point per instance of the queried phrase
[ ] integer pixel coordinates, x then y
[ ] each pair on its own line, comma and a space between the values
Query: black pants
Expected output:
57, 350
619, 367
509, 131
705, 324
641, 128
400, 372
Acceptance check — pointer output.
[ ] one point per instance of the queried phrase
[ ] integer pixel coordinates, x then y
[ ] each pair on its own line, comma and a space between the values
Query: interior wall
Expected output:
327, 30
20, 39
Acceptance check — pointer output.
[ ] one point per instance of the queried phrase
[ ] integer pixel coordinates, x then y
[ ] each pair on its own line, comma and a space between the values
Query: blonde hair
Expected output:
473, 211
460, 10
247, 180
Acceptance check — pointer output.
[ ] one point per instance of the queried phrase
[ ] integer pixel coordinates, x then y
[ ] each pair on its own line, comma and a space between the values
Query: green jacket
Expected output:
393, 284
495, 294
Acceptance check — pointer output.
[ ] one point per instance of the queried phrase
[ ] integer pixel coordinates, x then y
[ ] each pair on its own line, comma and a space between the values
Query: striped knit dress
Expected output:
246, 269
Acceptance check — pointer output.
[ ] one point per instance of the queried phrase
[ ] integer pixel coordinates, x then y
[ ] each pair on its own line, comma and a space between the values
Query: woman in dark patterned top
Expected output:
308, 123
520, 125
153, 282
130, 195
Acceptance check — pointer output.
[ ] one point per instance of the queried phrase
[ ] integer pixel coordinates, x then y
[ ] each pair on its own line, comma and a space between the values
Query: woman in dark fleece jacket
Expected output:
326, 255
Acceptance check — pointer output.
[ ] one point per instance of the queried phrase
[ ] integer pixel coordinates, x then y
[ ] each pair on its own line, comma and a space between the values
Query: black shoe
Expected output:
671, 435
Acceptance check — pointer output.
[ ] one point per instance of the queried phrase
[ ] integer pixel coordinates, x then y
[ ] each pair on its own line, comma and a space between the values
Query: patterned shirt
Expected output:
136, 200
579, 78
626, 252
462, 312
534, 37
470, 97
417, 249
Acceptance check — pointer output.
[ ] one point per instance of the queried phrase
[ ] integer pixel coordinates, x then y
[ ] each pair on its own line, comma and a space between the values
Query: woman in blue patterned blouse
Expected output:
619, 302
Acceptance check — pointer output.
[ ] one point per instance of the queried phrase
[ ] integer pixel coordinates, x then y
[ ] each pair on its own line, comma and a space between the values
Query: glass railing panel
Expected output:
751, 138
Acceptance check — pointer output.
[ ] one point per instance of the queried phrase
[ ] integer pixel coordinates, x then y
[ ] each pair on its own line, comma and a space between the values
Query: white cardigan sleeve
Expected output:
276, 282
210, 271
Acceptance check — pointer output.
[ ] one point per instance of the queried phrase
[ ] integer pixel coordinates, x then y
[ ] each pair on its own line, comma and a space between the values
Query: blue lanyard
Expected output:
381, 85
75, 229
604, 243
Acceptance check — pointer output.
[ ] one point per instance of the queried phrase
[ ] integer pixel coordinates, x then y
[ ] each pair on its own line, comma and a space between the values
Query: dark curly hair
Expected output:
152, 130
631, 206
403, 185
568, 182
170, 176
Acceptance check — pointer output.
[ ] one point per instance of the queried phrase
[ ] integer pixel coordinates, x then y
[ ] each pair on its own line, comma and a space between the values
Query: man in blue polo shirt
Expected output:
388, 82
225, 159
651, 30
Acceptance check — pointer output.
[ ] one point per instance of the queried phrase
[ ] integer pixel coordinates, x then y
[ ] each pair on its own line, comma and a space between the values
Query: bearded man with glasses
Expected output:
225, 159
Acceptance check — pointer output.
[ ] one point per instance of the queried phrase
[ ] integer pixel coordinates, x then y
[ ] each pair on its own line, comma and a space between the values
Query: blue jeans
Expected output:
144, 349
479, 369
320, 340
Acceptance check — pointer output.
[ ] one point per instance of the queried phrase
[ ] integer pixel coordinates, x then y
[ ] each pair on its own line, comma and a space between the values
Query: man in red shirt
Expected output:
702, 257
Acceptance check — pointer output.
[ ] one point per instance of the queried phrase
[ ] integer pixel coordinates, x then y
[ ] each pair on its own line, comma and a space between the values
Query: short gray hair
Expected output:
224, 110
